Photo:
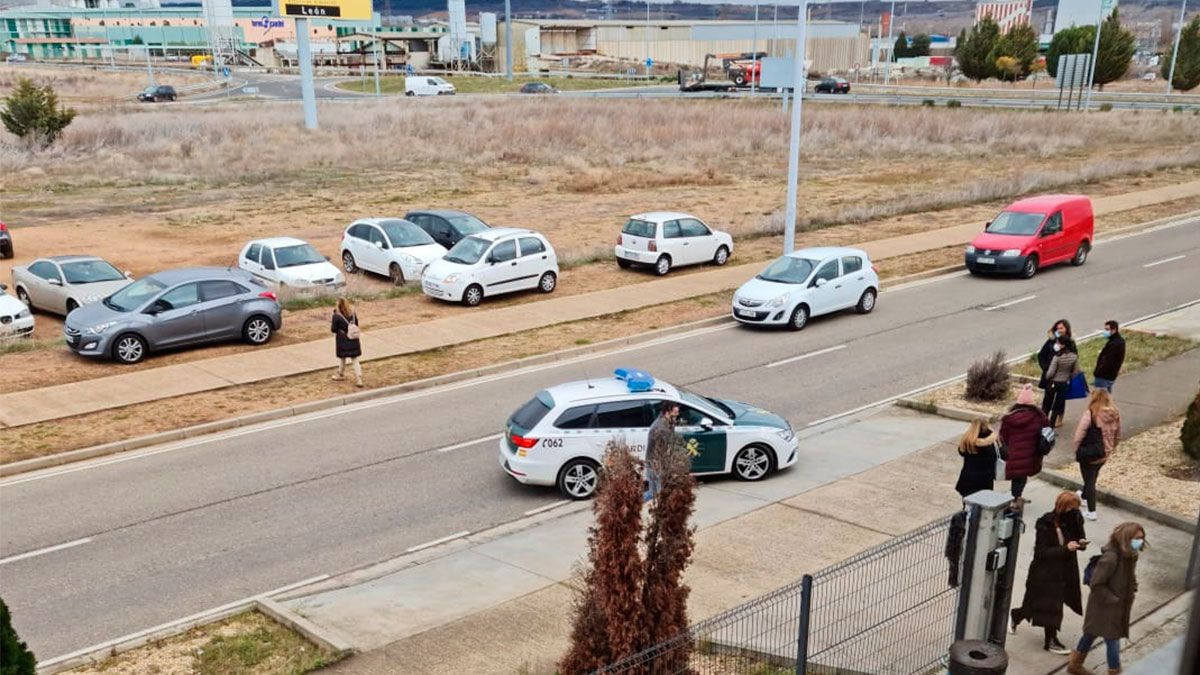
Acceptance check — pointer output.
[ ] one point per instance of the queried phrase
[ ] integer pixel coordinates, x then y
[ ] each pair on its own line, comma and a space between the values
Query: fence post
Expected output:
986, 562
806, 585
1193, 573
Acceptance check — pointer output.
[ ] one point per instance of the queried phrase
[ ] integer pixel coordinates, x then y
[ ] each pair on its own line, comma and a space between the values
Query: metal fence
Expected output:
889, 610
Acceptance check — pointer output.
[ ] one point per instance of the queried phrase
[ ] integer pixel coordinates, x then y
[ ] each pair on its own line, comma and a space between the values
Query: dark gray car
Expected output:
176, 308
447, 227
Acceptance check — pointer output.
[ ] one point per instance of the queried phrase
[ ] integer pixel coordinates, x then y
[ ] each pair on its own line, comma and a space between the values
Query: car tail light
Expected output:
522, 442
653, 246
2, 227
268, 295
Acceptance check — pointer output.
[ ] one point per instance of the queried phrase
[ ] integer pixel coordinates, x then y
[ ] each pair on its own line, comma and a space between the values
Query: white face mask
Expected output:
1057, 347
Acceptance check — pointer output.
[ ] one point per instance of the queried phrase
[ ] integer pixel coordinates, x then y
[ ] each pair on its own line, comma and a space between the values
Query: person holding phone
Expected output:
1053, 580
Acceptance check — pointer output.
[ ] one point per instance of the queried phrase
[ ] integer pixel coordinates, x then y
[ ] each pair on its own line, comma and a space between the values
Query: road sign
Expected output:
408, 69
649, 62
345, 10
225, 72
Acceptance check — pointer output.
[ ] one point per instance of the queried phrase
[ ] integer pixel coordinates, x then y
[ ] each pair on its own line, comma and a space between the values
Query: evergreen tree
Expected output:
15, 657
32, 114
920, 45
974, 49
1117, 46
900, 48
1187, 72
1021, 44
1073, 40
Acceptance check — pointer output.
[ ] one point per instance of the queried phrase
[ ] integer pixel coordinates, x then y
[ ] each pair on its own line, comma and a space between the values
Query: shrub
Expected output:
928, 103
1190, 434
32, 114
954, 103
1177, 108
988, 380
1105, 107
15, 657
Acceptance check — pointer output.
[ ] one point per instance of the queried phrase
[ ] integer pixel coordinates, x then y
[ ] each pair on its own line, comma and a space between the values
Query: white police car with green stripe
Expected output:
559, 436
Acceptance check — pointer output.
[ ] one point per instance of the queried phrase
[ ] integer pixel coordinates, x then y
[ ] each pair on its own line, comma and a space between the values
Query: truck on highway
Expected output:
740, 69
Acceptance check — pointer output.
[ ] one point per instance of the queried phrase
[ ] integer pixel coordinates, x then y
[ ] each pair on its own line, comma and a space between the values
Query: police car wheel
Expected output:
578, 479
752, 463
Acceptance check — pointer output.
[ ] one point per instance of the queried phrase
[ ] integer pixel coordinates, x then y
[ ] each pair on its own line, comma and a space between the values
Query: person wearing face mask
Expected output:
1111, 358
1062, 368
1061, 328
1110, 603
1053, 579
1096, 437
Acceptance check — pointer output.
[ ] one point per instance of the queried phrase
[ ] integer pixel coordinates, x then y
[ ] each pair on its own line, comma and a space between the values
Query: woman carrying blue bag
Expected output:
1062, 370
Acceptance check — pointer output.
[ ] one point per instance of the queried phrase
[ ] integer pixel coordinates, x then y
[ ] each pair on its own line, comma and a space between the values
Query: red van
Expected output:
1033, 233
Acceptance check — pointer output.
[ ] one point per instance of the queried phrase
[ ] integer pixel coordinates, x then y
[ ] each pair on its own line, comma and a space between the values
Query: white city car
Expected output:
807, 283
390, 246
16, 319
425, 85
665, 239
559, 436
284, 261
491, 262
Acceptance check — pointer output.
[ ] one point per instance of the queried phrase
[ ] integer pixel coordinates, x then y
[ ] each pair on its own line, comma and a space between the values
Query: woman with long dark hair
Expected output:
1053, 580
344, 327
1110, 604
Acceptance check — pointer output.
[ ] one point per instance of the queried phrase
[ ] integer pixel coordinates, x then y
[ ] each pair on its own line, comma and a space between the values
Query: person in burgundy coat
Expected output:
1019, 432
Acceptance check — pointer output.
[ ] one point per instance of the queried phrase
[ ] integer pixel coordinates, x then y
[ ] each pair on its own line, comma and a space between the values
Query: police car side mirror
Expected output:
706, 424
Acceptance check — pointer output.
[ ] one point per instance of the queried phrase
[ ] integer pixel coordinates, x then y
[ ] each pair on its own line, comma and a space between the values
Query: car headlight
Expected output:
1011, 253
409, 260
99, 328
780, 301
970, 248
787, 435
451, 278
24, 313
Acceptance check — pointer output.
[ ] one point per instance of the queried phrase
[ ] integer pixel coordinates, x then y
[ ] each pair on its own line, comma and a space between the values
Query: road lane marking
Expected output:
806, 356
43, 551
1010, 303
435, 542
464, 444
548, 507
1164, 261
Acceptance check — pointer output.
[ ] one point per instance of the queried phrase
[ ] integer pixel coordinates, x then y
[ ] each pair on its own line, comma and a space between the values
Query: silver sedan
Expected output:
60, 284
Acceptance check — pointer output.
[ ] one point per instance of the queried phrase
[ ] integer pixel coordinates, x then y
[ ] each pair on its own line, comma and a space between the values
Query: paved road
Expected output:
176, 530
272, 87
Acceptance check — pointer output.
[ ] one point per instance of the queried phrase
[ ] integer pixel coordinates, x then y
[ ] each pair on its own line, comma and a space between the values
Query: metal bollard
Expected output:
977, 657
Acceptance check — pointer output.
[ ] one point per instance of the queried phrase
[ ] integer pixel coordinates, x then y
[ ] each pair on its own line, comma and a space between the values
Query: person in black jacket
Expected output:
1061, 328
347, 343
1053, 579
978, 451
1112, 357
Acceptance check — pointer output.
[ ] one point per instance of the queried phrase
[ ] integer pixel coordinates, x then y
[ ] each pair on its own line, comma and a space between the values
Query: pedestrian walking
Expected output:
344, 327
1020, 430
1111, 358
1061, 328
1062, 368
978, 449
659, 442
1113, 585
1096, 437
1053, 580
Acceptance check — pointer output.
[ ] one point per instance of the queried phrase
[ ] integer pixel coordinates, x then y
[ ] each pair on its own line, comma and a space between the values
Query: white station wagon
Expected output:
665, 239
559, 436
807, 283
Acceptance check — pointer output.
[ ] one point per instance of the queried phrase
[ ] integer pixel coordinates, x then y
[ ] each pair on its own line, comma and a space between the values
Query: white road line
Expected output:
1010, 303
42, 551
465, 444
435, 542
548, 507
1164, 261
806, 356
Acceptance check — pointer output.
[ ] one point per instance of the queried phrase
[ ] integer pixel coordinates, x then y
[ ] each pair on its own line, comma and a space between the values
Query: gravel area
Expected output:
952, 395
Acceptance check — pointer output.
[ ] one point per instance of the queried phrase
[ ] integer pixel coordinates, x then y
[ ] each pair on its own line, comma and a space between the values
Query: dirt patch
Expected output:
954, 396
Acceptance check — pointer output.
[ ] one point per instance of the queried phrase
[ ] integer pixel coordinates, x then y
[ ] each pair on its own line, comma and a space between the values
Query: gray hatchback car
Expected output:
176, 308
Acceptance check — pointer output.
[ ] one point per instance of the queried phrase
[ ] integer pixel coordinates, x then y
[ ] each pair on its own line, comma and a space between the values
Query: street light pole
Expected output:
508, 50
307, 92
1087, 106
789, 216
1175, 52
887, 67
754, 52
646, 39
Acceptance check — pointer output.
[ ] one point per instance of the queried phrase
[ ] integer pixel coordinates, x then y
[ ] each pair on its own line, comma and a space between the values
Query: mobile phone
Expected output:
1083, 543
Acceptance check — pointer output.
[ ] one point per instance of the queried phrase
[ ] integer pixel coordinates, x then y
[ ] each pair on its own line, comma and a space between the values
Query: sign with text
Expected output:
343, 10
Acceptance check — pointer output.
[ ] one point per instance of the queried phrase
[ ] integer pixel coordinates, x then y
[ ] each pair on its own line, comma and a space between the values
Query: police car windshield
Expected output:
788, 270
704, 403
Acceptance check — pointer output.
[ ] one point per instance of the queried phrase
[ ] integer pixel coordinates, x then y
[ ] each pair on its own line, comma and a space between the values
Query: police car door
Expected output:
704, 438
629, 420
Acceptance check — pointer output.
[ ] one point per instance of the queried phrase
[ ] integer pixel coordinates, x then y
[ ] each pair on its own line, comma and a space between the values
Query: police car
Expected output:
558, 437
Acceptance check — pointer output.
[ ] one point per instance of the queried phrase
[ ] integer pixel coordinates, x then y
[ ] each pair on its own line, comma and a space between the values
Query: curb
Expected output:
946, 411
1124, 503
325, 638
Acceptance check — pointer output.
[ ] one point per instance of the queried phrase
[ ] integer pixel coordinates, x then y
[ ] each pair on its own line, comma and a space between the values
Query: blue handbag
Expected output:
1077, 387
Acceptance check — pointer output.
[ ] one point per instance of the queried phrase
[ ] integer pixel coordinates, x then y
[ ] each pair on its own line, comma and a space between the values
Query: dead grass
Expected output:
91, 85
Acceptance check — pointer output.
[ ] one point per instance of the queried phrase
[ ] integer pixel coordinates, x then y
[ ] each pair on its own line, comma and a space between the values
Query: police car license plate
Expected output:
746, 313
986, 261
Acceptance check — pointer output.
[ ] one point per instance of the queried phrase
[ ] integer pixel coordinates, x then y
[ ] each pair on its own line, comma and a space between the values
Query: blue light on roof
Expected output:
636, 380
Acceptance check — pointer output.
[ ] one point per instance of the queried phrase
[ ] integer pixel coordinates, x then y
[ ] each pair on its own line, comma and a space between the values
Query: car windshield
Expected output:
90, 272
467, 224
704, 403
639, 228
468, 251
149, 90
788, 270
403, 233
294, 256
134, 295
1009, 222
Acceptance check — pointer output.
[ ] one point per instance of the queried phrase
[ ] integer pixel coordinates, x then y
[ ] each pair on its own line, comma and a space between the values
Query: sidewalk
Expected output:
456, 608
116, 391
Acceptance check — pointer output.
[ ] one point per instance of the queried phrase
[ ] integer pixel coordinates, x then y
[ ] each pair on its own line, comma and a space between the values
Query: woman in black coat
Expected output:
1061, 328
978, 451
1053, 579
344, 327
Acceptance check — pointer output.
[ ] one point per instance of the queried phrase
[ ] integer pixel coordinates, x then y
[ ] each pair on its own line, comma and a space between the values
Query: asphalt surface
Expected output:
163, 533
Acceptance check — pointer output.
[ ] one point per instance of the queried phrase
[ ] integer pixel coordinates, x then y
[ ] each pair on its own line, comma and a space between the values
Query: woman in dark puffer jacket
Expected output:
1019, 432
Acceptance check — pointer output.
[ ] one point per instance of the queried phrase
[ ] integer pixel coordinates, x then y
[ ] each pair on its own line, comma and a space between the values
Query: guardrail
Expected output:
1048, 93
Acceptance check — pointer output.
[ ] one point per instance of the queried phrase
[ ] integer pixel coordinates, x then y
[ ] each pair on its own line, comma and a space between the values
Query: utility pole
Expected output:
887, 67
754, 53
798, 80
306, 74
1175, 54
1087, 106
508, 50
646, 39
377, 40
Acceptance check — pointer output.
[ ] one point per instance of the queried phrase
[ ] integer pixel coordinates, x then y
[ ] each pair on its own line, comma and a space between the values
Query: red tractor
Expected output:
741, 68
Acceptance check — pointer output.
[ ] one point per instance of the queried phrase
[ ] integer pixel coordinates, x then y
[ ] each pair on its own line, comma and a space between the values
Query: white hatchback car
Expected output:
665, 239
16, 319
491, 262
390, 246
560, 435
807, 283
285, 261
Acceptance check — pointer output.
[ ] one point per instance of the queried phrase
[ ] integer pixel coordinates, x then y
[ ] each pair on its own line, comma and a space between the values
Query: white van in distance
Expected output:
424, 85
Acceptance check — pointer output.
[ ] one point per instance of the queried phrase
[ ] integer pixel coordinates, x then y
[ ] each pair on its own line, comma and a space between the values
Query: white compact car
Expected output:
16, 319
497, 260
424, 85
559, 436
665, 239
288, 262
390, 246
807, 283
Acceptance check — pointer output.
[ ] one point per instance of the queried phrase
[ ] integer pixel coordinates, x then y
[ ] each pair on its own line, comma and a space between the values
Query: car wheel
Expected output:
1081, 254
548, 282
578, 479
662, 265
722, 256
473, 295
739, 80
348, 263
1030, 268
410, 93
623, 263
866, 303
23, 296
752, 463
799, 318
257, 330
72, 306
129, 348
396, 274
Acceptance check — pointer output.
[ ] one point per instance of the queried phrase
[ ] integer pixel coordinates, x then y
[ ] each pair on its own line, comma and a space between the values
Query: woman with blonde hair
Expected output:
344, 327
1096, 436
1053, 580
977, 447
1114, 585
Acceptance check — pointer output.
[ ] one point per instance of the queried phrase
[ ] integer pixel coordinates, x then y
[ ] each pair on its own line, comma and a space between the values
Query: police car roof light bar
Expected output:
636, 380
